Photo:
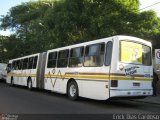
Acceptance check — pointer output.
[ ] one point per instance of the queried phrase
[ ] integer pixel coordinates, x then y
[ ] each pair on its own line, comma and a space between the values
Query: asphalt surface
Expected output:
19, 100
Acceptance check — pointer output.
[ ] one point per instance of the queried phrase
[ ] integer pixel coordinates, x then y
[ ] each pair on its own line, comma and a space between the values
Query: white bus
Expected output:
118, 66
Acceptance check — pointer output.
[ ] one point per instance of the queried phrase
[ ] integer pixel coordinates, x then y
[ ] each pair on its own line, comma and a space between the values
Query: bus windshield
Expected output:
135, 53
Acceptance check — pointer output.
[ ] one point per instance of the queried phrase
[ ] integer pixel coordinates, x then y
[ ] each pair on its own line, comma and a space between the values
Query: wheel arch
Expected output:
70, 80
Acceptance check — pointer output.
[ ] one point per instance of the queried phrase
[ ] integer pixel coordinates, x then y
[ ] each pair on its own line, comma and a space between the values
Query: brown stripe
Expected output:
119, 74
82, 73
85, 73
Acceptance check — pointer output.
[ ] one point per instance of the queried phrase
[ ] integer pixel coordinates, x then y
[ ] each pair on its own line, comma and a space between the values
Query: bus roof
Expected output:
118, 37
10, 61
122, 37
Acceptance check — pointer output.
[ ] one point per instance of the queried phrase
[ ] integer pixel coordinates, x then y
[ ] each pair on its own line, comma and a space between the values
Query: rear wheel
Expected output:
72, 90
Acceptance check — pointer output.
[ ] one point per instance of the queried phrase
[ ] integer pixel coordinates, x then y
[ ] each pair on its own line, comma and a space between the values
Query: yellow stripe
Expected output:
100, 77
89, 77
127, 78
22, 75
96, 77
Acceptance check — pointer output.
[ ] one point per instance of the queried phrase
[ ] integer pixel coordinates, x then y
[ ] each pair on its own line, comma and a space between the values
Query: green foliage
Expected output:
47, 24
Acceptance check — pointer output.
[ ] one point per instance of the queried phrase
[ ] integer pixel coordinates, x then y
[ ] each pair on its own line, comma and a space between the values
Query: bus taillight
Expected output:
114, 83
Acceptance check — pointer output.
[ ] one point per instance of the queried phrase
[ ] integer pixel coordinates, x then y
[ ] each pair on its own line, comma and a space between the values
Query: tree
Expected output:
44, 25
2, 49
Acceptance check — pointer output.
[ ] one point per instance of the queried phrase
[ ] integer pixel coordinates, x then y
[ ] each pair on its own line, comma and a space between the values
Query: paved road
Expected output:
19, 100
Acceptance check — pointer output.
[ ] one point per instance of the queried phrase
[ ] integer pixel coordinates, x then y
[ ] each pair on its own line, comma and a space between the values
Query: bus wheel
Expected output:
12, 82
29, 84
72, 90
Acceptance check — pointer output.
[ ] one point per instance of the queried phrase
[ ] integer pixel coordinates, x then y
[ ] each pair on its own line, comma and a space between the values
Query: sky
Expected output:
5, 5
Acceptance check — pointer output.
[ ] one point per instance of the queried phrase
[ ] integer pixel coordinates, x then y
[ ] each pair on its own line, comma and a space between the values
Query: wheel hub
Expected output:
72, 90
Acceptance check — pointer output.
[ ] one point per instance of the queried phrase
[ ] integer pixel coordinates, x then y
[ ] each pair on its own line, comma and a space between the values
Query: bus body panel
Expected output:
21, 76
90, 85
133, 79
93, 82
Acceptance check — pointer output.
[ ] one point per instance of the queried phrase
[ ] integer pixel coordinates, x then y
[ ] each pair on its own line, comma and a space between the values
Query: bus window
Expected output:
108, 55
35, 62
21, 64
135, 53
94, 55
13, 65
52, 58
30, 62
62, 58
76, 57
18, 65
25, 63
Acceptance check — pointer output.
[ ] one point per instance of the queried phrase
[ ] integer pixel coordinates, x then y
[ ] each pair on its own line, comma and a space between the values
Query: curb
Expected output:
149, 102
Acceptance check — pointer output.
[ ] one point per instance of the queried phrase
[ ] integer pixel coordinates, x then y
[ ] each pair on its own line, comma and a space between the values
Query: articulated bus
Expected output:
118, 66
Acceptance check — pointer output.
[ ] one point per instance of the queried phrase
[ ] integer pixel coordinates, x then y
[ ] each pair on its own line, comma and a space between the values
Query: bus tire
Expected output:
29, 84
72, 90
12, 82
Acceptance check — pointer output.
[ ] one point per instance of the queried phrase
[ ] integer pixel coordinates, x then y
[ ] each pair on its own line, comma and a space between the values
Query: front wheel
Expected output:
12, 82
29, 84
72, 90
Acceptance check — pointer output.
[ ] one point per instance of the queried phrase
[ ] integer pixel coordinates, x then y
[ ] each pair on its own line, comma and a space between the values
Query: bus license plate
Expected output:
136, 84
136, 93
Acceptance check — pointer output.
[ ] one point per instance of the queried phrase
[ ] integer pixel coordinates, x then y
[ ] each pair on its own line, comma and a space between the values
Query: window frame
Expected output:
34, 66
26, 67
110, 54
82, 51
99, 53
14, 65
142, 54
67, 58
48, 60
